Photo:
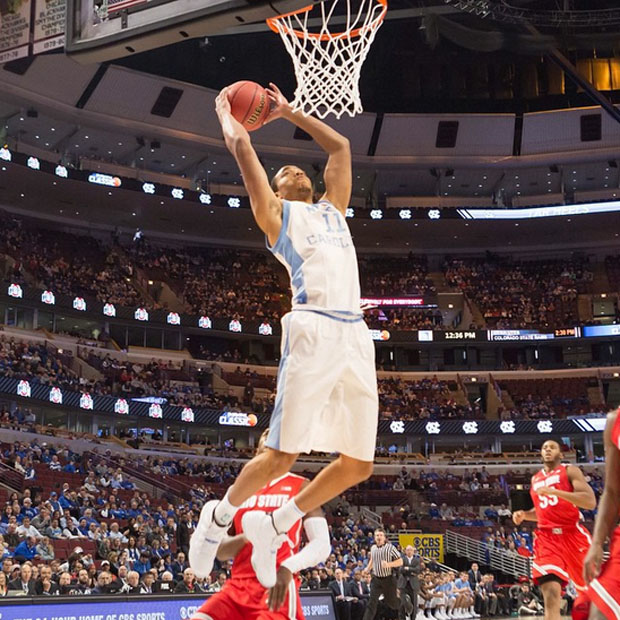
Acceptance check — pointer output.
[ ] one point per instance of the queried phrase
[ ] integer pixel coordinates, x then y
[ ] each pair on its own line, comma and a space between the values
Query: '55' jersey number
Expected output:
547, 500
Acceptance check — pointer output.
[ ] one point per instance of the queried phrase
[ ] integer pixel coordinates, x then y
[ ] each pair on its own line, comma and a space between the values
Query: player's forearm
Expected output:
235, 135
317, 549
326, 137
581, 499
607, 516
230, 547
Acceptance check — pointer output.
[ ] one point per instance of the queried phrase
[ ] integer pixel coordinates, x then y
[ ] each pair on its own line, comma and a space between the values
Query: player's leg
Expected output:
327, 409
390, 593
333, 480
349, 418
352, 408
216, 516
577, 546
303, 390
263, 468
220, 606
373, 601
551, 588
596, 613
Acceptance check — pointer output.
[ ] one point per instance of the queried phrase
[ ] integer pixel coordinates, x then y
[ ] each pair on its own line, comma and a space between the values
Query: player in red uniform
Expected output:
604, 582
560, 543
243, 597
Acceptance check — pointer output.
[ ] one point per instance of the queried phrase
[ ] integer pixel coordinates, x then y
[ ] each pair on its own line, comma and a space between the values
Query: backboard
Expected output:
101, 30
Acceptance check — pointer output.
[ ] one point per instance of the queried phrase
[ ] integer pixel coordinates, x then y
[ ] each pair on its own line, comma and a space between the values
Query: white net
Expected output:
327, 62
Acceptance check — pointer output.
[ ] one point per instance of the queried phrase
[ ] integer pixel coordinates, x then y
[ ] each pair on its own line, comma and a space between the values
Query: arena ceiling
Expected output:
440, 56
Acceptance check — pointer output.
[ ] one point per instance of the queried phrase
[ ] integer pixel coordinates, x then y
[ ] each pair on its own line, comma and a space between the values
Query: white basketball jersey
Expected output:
316, 247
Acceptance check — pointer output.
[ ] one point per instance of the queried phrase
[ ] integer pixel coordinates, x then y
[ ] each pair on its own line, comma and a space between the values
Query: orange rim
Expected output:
271, 22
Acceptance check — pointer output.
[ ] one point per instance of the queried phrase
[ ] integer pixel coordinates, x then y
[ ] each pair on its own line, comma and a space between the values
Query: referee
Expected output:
383, 558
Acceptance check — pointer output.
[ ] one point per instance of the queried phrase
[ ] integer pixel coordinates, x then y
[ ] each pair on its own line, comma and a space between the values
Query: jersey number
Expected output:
547, 500
340, 228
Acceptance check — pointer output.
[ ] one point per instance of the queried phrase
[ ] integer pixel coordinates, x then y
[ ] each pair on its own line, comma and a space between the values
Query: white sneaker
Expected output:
260, 532
420, 616
205, 541
466, 615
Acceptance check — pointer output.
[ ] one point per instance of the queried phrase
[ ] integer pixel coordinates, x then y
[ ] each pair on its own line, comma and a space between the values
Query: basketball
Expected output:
249, 104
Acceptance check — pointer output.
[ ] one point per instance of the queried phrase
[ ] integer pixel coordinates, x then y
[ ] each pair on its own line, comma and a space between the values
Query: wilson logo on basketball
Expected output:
258, 110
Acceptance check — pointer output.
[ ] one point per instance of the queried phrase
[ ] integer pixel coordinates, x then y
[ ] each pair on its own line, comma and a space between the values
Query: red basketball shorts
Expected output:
561, 552
246, 599
604, 591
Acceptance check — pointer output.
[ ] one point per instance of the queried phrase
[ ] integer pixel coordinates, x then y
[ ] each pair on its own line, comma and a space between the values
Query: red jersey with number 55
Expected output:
551, 511
270, 497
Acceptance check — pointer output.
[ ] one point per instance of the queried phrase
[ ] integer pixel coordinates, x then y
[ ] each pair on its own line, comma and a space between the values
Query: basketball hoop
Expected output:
328, 63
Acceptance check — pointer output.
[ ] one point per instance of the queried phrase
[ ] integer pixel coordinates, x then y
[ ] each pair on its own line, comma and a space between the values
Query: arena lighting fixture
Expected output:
33, 163
538, 212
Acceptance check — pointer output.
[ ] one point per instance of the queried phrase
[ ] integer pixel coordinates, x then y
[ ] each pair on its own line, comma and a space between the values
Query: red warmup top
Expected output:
270, 497
552, 511
615, 431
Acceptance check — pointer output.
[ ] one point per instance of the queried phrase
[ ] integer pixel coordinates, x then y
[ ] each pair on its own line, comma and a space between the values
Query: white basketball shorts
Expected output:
327, 387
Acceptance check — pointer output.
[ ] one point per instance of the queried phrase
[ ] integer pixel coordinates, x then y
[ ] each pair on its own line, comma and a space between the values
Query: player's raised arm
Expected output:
316, 551
338, 175
582, 494
608, 507
266, 206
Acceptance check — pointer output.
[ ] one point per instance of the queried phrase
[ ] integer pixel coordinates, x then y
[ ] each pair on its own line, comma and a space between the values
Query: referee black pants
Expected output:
379, 586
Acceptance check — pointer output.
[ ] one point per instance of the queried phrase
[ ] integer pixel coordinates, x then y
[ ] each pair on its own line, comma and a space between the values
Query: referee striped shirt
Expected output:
384, 553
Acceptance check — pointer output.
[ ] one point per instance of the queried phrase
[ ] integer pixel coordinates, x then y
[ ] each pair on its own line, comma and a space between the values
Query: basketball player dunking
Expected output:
561, 543
243, 598
604, 581
327, 386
